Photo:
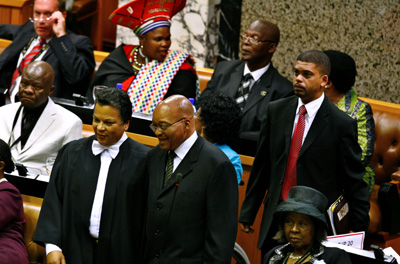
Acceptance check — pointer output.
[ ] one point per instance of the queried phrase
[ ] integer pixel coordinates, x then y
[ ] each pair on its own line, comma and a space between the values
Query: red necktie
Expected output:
295, 147
26, 60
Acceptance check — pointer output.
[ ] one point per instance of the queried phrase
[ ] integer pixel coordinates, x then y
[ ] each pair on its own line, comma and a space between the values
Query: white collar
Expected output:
184, 148
312, 107
257, 73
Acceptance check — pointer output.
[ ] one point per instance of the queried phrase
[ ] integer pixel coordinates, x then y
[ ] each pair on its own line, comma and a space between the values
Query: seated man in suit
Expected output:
306, 140
46, 38
36, 128
252, 81
193, 192
93, 209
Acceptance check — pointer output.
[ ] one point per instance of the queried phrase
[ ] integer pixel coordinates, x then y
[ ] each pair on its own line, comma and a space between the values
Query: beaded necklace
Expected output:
133, 55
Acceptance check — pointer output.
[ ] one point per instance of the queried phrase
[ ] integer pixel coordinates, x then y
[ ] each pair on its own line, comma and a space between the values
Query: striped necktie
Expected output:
170, 166
290, 179
243, 92
26, 60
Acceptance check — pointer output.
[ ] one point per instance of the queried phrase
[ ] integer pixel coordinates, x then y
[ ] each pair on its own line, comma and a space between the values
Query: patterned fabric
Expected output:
290, 179
362, 112
170, 166
26, 60
152, 82
244, 89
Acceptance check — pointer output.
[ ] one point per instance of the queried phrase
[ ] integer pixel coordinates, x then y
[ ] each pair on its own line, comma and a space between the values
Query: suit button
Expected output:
159, 206
157, 232
157, 256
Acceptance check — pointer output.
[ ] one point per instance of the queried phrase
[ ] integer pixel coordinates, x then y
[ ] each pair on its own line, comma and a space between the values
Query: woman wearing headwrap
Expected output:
12, 246
149, 72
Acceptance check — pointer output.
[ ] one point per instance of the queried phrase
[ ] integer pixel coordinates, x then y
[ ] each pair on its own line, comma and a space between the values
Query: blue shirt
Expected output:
234, 158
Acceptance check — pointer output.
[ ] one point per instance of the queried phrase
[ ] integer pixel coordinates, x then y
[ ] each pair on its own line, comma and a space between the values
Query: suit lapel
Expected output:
260, 89
290, 112
185, 167
318, 125
45, 120
16, 132
236, 78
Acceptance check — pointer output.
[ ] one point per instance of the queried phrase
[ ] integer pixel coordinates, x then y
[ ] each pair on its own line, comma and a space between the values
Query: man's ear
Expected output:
2, 165
324, 80
64, 14
51, 90
272, 48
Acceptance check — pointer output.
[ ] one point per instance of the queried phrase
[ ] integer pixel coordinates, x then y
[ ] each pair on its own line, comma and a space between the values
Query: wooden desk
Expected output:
15, 12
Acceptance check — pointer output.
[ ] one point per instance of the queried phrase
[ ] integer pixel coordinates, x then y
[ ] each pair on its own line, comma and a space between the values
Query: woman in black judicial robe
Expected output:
66, 209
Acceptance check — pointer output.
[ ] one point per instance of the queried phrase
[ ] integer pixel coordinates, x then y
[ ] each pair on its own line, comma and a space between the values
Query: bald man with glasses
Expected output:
252, 81
193, 194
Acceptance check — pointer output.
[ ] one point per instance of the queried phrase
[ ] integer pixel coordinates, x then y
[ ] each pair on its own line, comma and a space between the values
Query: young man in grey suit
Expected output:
328, 155
193, 192
259, 44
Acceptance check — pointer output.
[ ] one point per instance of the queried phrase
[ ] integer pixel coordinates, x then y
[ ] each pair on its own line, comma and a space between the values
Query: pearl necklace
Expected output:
135, 59
293, 257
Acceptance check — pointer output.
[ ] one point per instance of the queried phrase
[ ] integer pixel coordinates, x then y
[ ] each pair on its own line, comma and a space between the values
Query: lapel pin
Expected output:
263, 93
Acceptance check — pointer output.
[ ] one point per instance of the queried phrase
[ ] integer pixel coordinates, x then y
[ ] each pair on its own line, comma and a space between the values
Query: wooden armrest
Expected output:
396, 176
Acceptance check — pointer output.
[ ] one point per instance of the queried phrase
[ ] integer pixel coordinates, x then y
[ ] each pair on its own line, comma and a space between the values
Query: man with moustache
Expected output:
259, 44
193, 192
305, 140
93, 209
45, 38
36, 128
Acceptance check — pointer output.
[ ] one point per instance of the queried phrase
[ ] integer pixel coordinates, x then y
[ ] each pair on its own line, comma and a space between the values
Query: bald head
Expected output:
173, 121
36, 84
268, 29
259, 43
179, 104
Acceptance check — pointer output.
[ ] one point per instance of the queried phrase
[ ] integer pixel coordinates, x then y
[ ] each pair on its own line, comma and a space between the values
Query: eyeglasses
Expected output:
162, 128
255, 41
36, 19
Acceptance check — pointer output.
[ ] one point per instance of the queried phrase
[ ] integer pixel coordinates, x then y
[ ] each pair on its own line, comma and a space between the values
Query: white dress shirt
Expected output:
183, 149
312, 109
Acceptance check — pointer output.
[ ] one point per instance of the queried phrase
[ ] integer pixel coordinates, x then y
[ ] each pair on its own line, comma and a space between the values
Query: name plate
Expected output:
355, 240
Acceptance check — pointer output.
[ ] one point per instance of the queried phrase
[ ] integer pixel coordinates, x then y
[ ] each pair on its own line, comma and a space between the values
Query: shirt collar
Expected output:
257, 73
312, 107
184, 148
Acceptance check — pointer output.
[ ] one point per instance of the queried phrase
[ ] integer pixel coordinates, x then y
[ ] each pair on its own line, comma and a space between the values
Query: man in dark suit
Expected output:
328, 159
71, 56
259, 43
193, 192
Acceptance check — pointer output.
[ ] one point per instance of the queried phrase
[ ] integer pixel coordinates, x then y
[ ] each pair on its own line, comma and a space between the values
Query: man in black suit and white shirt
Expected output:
193, 192
329, 157
259, 44
70, 55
